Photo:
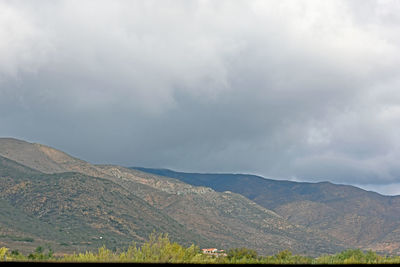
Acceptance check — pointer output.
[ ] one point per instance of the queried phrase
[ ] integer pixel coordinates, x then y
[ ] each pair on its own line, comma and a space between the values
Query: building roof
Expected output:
209, 249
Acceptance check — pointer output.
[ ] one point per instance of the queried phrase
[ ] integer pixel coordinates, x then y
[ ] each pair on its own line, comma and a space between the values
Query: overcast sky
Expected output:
297, 90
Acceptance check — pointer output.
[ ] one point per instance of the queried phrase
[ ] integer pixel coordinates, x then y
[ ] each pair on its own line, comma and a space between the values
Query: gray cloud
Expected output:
304, 91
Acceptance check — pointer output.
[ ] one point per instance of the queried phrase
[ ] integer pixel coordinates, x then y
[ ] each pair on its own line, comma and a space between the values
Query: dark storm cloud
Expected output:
303, 90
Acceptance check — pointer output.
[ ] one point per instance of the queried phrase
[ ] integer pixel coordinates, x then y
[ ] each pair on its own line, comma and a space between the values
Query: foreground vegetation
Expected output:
159, 249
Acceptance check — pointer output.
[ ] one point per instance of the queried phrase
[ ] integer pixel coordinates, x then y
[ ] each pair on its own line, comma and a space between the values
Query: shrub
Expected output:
241, 253
3, 253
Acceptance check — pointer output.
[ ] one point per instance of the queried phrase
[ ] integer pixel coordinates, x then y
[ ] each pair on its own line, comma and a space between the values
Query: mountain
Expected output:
79, 211
43, 158
357, 218
229, 218
78, 202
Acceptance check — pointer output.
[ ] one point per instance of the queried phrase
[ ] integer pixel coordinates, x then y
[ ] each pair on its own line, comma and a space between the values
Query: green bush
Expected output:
286, 257
3, 252
40, 255
352, 256
159, 249
242, 253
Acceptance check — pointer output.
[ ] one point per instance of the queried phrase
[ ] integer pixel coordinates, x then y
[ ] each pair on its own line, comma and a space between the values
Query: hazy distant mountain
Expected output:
73, 203
356, 217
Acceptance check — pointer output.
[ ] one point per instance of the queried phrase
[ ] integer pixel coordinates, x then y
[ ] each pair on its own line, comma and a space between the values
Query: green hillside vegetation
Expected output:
159, 249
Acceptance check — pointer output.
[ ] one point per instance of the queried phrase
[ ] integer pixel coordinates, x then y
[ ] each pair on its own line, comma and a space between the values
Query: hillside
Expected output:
230, 218
124, 205
356, 217
75, 210
43, 158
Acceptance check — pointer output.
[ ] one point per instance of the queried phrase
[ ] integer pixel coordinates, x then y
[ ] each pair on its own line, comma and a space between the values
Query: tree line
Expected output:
159, 249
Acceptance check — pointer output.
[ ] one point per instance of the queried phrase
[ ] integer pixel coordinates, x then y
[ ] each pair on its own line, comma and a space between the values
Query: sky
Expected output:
298, 90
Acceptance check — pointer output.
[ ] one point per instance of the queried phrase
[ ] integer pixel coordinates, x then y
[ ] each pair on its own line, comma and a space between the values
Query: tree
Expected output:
242, 253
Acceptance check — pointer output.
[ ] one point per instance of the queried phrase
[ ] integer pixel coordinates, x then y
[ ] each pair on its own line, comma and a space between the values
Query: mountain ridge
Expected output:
357, 217
165, 171
202, 214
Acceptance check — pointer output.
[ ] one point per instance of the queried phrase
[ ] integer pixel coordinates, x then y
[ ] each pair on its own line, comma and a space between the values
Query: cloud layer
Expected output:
305, 90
